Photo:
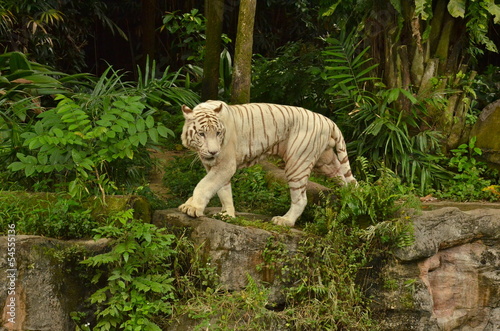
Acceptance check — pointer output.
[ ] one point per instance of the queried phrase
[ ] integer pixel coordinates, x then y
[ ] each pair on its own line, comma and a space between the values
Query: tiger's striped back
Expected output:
285, 131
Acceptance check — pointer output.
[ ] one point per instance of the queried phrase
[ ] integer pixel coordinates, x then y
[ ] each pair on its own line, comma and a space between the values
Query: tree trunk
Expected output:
214, 12
148, 22
432, 65
240, 89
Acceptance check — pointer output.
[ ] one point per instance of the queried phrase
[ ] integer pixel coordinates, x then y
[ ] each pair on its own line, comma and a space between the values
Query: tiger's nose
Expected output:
213, 152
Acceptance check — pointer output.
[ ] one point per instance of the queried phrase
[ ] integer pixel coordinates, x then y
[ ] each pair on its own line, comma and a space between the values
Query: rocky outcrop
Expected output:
44, 282
235, 250
487, 133
449, 279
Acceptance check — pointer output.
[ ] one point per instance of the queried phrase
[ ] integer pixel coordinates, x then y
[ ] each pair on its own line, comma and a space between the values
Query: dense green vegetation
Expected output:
83, 137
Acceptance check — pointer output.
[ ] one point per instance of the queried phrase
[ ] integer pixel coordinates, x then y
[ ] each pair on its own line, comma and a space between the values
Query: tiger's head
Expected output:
203, 131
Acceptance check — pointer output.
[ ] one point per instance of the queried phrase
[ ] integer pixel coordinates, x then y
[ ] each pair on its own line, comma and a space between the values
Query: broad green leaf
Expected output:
410, 96
140, 124
77, 156
129, 153
393, 95
127, 116
153, 134
456, 8
397, 5
150, 122
29, 170
34, 144
123, 123
87, 164
331, 9
134, 140
58, 132
132, 130
120, 104
103, 123
164, 131
47, 168
111, 134
494, 10
21, 157
143, 138
116, 128
38, 127
42, 158
18, 61
109, 117
420, 8
16, 166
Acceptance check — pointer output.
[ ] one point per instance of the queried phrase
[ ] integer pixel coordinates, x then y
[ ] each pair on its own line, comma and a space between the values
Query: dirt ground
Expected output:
156, 176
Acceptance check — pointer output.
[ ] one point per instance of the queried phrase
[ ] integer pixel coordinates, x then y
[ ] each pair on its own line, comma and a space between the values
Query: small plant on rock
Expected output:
470, 179
136, 273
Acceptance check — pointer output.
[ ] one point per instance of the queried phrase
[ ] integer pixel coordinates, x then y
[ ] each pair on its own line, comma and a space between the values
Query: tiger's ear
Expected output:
218, 109
186, 111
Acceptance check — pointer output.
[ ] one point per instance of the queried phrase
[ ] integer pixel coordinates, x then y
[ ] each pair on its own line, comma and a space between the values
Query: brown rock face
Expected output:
235, 250
459, 286
487, 132
450, 278
43, 286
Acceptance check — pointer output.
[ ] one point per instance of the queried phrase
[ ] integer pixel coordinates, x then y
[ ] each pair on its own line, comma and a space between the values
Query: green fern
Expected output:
372, 114
348, 71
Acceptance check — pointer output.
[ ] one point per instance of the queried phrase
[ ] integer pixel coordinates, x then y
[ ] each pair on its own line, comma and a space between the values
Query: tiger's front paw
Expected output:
190, 209
281, 220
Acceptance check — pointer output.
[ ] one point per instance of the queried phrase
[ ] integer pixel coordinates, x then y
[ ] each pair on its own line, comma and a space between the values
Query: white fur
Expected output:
231, 137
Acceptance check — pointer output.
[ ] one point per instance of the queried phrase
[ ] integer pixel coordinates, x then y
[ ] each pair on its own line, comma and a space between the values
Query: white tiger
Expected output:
231, 137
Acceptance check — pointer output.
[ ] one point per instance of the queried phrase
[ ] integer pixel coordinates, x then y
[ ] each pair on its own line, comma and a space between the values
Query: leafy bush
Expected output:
52, 31
90, 139
81, 141
56, 216
181, 176
377, 205
387, 135
189, 32
275, 80
321, 278
470, 179
26, 88
253, 193
137, 275
321, 291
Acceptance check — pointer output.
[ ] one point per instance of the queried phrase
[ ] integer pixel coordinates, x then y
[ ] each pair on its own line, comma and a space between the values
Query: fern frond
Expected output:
348, 70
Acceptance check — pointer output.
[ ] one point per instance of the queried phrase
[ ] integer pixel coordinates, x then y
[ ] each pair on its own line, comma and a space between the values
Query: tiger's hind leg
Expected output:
297, 176
329, 165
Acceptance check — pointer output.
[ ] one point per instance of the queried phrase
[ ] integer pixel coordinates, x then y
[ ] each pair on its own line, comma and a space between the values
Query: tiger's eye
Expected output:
202, 134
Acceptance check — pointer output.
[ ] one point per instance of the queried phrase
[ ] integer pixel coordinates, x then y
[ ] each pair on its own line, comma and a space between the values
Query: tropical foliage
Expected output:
54, 32
92, 132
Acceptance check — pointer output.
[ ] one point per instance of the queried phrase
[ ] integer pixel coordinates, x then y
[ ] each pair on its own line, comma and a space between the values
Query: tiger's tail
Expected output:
341, 151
